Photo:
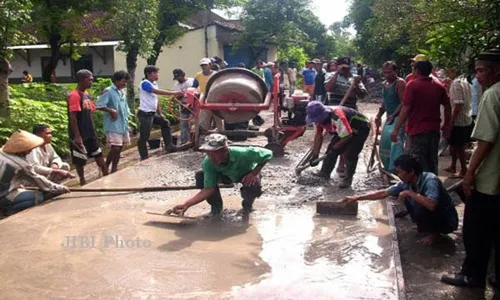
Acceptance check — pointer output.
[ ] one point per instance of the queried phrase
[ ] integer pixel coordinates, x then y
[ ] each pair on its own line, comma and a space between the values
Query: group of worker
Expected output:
414, 103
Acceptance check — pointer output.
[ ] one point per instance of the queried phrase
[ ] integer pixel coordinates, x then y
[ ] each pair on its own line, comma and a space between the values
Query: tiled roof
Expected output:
92, 30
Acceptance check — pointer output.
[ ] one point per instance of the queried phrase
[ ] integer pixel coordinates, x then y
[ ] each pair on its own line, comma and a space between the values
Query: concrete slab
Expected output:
105, 246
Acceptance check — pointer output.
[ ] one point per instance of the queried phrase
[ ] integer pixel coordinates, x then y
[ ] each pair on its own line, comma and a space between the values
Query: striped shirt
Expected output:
14, 170
461, 93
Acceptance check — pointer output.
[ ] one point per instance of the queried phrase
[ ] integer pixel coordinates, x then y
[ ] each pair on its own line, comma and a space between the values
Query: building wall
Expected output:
272, 53
184, 54
64, 70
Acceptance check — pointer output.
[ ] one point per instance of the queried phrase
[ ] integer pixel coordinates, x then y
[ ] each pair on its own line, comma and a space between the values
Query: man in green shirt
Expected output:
227, 164
481, 226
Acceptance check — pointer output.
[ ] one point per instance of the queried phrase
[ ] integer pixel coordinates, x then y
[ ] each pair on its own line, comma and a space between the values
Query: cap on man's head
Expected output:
316, 61
420, 57
316, 112
214, 142
177, 73
491, 55
205, 61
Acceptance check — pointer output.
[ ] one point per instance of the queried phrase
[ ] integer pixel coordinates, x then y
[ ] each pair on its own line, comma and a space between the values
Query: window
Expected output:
84, 62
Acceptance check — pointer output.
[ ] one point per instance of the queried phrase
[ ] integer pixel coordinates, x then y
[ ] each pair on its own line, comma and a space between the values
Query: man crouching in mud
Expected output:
429, 204
227, 164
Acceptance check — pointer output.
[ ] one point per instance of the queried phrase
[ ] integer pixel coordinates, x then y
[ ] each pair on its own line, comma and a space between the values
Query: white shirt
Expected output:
148, 100
41, 160
183, 86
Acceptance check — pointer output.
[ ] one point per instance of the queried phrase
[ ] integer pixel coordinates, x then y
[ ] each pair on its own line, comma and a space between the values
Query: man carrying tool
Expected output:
227, 164
429, 204
14, 169
350, 130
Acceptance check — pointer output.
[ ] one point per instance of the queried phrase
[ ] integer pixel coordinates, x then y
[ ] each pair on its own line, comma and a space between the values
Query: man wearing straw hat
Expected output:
14, 167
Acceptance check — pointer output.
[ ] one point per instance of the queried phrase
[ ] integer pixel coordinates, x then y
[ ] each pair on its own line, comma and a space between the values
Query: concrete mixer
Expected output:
238, 95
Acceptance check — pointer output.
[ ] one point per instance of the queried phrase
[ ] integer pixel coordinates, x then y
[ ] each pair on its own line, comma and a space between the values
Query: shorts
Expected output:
117, 139
79, 157
460, 135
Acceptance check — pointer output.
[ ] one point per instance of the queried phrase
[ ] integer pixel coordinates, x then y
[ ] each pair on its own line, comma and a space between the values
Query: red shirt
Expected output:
424, 96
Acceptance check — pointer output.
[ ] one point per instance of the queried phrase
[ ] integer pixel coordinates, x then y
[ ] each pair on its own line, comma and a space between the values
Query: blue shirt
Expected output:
428, 185
115, 99
268, 77
476, 91
309, 76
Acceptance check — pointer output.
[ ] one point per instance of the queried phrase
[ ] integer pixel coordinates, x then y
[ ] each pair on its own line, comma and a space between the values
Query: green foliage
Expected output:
136, 23
25, 112
450, 32
293, 54
46, 103
13, 15
272, 21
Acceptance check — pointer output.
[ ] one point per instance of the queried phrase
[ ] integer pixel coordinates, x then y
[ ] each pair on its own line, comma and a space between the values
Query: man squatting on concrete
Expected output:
429, 204
227, 164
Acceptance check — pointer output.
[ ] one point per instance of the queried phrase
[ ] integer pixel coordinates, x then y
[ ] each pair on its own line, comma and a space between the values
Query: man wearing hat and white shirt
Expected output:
200, 82
350, 130
14, 168
227, 164
183, 84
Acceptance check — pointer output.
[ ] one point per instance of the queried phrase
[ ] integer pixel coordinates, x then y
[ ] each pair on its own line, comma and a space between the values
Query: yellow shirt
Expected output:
202, 80
28, 78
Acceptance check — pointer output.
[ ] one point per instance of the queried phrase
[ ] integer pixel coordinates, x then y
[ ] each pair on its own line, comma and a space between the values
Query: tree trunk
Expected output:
131, 67
55, 55
159, 42
5, 70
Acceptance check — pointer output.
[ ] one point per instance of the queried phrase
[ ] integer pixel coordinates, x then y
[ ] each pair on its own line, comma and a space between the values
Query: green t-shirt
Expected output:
487, 129
241, 161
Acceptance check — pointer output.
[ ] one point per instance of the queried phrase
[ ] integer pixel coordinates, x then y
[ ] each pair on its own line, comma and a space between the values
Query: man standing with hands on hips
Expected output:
150, 112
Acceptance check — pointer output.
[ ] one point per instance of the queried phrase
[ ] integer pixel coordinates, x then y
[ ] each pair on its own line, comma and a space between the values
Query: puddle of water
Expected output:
323, 257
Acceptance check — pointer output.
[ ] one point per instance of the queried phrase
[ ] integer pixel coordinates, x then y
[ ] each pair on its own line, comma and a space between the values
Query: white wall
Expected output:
272, 53
184, 54
62, 70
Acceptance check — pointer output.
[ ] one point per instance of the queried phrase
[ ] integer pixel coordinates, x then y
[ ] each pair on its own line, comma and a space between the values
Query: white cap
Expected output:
205, 61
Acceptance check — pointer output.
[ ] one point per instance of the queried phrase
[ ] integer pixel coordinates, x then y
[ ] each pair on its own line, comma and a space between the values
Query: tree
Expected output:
450, 32
272, 21
135, 22
293, 54
13, 15
58, 23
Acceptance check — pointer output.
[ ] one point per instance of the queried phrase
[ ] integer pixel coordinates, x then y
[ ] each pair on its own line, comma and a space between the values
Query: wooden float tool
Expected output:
337, 208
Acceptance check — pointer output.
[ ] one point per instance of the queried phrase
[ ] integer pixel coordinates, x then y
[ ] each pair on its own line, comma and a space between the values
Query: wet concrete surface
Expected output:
424, 266
283, 251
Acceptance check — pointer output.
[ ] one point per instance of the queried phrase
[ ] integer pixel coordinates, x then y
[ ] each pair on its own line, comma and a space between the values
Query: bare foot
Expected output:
451, 170
428, 239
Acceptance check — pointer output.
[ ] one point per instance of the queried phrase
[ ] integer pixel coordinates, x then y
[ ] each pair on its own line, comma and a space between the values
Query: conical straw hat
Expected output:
22, 141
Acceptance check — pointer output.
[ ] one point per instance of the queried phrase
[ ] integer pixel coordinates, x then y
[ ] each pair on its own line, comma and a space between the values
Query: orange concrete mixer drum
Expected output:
238, 88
